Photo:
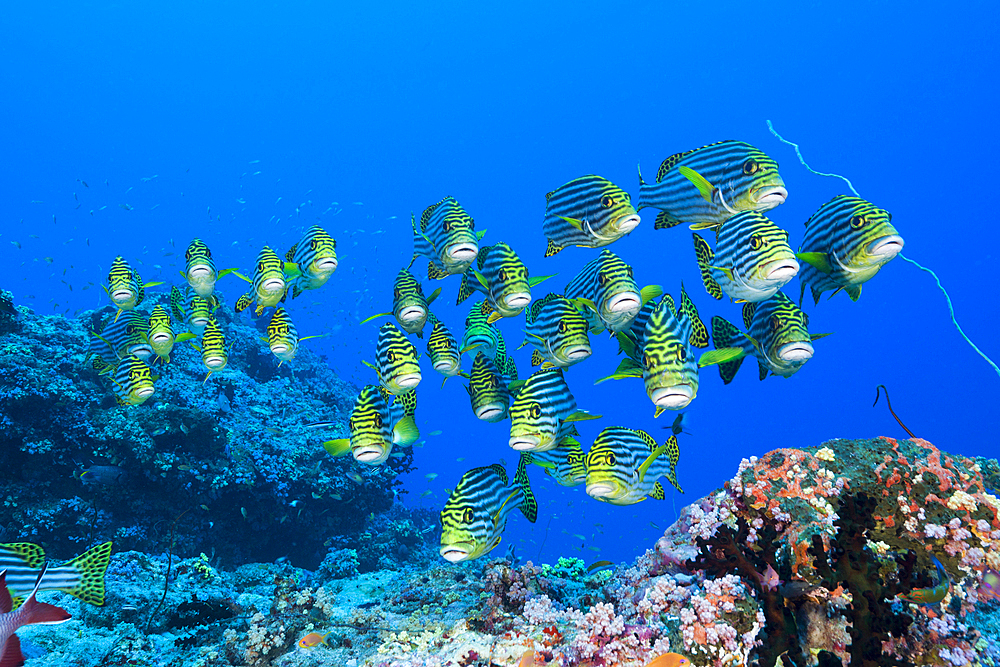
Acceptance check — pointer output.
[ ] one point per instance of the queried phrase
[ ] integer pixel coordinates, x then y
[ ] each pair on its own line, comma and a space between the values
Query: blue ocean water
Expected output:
129, 129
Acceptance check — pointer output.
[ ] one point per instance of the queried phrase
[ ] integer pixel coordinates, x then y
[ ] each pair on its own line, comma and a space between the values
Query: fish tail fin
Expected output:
91, 565
725, 334
529, 506
465, 287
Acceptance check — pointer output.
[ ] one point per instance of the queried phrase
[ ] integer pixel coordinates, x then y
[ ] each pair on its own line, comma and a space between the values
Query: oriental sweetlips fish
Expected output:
447, 235
133, 381
315, 256
409, 306
442, 347
268, 285
160, 333
565, 464
200, 270
706, 186
214, 354
847, 241
589, 212
32, 612
82, 577
477, 510
543, 413
624, 464
396, 361
125, 286
282, 338
752, 258
502, 277
489, 387
376, 425
778, 336
124, 336
558, 331
192, 309
480, 335
660, 349
607, 285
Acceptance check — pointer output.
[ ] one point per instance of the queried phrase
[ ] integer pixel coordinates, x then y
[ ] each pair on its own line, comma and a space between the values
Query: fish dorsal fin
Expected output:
481, 256
699, 332
670, 163
434, 272
291, 253
536, 358
818, 260
500, 472
31, 555
704, 256
748, 310
428, 212
548, 195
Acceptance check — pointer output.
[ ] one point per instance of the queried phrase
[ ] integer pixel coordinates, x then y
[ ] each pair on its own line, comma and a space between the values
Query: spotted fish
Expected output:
376, 425
706, 186
558, 332
624, 464
589, 212
778, 336
315, 258
502, 278
409, 306
752, 259
282, 338
199, 271
396, 361
660, 348
132, 381
847, 241
268, 286
82, 577
565, 464
607, 285
442, 347
489, 387
477, 510
543, 413
447, 235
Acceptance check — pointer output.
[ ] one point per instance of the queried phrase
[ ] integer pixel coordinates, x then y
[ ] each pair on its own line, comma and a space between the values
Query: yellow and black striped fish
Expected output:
282, 338
489, 387
558, 332
315, 256
409, 306
706, 186
82, 577
161, 333
192, 309
447, 235
847, 241
133, 381
752, 259
480, 335
565, 464
442, 347
268, 285
124, 286
124, 336
607, 286
589, 212
477, 510
778, 335
624, 464
376, 425
214, 354
199, 271
502, 278
396, 361
660, 348
542, 415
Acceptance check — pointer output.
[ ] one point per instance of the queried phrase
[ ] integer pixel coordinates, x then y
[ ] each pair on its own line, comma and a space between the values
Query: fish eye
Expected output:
774, 322
468, 515
260, 266
611, 458
562, 327
378, 420
756, 242
313, 244
602, 279
607, 201
536, 411
628, 197
502, 275
350, 424
858, 221
391, 356
890, 216
750, 167
447, 225
395, 293
682, 353
805, 319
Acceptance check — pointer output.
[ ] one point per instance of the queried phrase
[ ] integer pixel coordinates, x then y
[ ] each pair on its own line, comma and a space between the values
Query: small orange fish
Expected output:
312, 640
670, 660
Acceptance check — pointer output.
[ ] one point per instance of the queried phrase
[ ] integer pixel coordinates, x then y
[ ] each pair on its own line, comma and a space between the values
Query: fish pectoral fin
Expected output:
291, 269
573, 221
533, 282
482, 279
184, 337
405, 432
644, 466
435, 294
338, 447
225, 272
480, 235
240, 275
580, 416
493, 317
818, 260
157, 284
469, 348
721, 356
813, 337
649, 292
704, 187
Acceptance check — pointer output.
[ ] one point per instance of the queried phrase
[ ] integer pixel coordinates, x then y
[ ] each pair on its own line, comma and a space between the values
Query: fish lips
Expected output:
623, 302
412, 314
525, 443
200, 272
215, 363
463, 252
144, 392
797, 352
274, 285
456, 553
627, 223
886, 247
517, 300
491, 412
161, 338
576, 353
371, 454
405, 382
446, 366
142, 351
120, 296
601, 490
780, 270
768, 197
675, 397
326, 264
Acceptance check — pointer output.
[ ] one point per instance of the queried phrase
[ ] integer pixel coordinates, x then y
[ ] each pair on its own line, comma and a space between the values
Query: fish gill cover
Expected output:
169, 390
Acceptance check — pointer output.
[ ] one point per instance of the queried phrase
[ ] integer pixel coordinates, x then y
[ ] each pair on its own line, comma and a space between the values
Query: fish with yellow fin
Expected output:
315, 256
376, 425
125, 287
268, 284
502, 278
589, 212
282, 338
199, 270
409, 305
447, 236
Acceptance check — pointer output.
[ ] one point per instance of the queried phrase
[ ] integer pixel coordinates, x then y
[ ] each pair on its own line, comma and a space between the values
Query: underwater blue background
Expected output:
201, 116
